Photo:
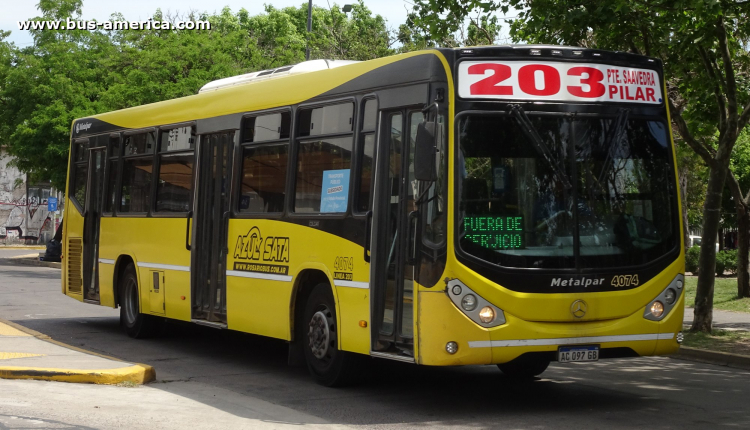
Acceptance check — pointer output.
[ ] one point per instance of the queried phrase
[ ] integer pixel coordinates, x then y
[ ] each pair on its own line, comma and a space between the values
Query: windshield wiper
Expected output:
528, 129
614, 137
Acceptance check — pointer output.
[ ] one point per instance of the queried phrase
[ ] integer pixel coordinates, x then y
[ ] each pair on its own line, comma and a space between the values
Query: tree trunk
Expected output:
743, 243
704, 297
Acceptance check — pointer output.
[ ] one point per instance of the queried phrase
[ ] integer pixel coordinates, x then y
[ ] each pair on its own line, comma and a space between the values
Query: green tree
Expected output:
704, 47
49, 84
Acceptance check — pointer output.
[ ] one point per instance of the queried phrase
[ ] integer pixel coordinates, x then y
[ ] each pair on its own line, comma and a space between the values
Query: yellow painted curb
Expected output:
134, 373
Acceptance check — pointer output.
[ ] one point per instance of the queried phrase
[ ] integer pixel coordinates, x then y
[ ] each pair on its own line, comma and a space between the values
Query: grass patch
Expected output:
725, 294
736, 342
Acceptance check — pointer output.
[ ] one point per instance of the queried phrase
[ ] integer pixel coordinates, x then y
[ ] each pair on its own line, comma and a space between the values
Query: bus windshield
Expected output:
604, 198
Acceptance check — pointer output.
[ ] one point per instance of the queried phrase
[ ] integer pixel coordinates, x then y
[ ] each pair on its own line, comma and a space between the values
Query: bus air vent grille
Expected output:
74, 257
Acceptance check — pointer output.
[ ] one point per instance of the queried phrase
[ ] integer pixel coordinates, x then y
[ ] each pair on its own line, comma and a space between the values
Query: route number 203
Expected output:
625, 281
523, 80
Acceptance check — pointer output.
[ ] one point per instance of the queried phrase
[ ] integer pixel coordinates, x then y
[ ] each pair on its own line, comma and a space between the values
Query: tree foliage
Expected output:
69, 74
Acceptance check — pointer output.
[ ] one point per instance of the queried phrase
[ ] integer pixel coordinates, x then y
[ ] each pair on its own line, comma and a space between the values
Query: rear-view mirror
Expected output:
424, 153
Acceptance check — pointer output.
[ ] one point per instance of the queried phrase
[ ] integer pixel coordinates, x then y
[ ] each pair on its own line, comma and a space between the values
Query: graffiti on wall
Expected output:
23, 210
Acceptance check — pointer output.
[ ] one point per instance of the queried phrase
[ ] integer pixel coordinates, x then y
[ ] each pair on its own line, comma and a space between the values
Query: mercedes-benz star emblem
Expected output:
578, 308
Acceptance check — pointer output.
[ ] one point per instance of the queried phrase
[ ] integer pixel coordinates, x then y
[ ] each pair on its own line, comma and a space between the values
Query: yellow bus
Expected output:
509, 205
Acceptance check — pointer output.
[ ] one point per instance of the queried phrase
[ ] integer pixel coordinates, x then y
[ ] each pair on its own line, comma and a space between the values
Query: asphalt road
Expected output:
232, 373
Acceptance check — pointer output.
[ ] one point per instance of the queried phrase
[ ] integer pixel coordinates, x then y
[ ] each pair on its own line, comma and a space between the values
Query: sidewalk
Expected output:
26, 354
722, 320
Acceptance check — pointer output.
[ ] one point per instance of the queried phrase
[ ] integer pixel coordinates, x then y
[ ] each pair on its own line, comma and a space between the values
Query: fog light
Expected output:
456, 290
487, 315
657, 308
679, 283
469, 302
669, 296
451, 347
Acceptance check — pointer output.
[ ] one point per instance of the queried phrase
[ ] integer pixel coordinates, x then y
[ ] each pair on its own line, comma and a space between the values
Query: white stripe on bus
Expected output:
258, 275
106, 261
165, 266
352, 284
571, 340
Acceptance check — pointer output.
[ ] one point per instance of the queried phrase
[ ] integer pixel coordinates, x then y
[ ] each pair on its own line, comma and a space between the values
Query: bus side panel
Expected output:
155, 244
73, 255
265, 258
259, 306
354, 304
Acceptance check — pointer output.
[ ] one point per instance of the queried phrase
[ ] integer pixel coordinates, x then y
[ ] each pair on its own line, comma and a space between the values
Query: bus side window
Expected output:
114, 170
264, 167
174, 187
263, 178
324, 162
366, 154
137, 166
80, 171
434, 228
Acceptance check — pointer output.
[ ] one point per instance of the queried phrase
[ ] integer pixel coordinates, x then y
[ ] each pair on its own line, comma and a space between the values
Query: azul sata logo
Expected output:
83, 126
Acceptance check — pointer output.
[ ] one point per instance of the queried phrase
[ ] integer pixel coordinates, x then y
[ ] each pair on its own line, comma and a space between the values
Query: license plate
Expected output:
575, 354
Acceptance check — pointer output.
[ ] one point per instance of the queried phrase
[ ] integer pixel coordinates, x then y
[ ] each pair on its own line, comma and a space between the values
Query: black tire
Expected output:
135, 324
327, 364
525, 367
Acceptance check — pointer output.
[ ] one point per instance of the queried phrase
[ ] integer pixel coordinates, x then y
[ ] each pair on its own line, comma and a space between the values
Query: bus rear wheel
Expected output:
525, 367
327, 364
135, 324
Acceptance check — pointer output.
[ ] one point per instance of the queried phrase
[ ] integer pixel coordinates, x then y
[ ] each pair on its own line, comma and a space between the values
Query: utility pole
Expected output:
309, 29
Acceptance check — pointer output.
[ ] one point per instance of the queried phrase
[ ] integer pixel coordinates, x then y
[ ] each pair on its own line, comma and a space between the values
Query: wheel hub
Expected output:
319, 335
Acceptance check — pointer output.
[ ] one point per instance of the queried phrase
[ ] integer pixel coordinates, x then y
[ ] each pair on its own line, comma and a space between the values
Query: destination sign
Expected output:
556, 81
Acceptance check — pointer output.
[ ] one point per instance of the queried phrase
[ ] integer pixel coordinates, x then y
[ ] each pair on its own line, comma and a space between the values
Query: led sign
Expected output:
495, 232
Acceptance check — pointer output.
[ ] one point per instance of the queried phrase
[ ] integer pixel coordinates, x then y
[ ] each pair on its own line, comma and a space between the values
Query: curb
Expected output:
31, 262
135, 374
713, 357
22, 247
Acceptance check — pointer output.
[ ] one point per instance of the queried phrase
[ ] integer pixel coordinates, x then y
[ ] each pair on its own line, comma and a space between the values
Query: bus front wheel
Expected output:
135, 324
525, 367
327, 364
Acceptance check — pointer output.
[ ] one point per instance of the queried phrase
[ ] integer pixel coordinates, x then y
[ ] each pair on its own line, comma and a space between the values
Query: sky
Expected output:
394, 11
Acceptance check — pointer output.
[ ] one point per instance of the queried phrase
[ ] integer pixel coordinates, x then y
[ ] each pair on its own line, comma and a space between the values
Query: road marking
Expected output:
571, 340
12, 355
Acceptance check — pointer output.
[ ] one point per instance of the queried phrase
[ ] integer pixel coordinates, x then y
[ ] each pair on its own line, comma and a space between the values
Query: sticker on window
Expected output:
334, 193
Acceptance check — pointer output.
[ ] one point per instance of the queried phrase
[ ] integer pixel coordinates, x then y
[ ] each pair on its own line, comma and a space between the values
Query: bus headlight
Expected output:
486, 315
670, 296
474, 306
469, 302
662, 304
657, 309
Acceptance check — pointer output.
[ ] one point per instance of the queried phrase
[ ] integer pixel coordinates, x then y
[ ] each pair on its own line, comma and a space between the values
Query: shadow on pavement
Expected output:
193, 361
